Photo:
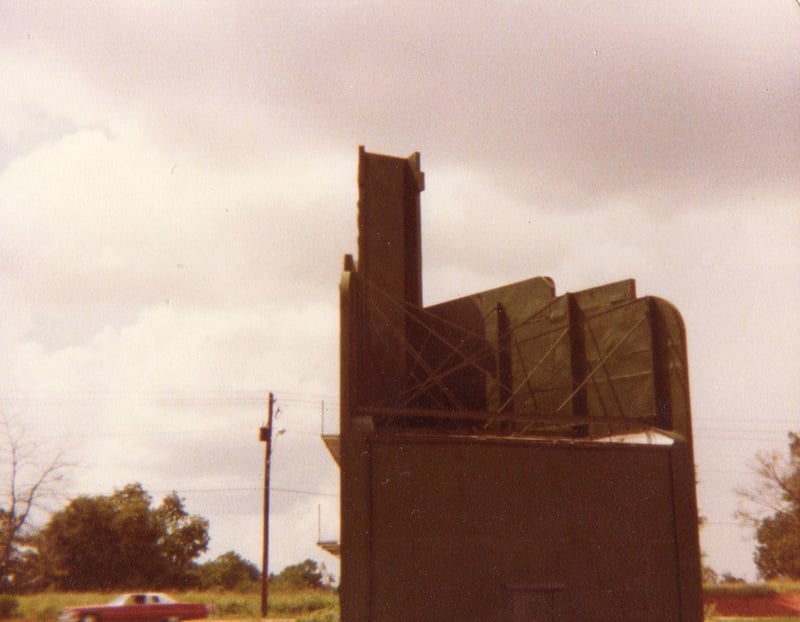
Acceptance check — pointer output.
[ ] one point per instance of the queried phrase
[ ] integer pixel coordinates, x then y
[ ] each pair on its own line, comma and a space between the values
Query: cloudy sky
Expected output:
178, 188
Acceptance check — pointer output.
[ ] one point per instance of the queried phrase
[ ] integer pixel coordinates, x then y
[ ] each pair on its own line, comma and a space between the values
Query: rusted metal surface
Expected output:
470, 451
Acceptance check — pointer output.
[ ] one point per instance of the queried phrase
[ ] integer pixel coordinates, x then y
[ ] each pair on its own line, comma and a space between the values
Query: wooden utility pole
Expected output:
265, 436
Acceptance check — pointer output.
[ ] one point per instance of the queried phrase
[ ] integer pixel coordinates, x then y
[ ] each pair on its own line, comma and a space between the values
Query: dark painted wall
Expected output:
460, 527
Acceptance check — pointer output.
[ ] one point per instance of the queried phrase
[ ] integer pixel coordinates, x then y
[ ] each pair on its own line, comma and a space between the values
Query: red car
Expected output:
139, 607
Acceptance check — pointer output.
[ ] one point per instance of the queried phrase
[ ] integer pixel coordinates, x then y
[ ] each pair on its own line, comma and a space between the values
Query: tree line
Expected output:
119, 541
771, 507
108, 542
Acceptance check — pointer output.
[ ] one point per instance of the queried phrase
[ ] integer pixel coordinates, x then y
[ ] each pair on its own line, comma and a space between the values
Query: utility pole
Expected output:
265, 436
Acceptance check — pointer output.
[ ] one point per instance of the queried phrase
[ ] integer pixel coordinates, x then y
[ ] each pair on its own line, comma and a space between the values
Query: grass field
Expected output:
322, 605
753, 589
305, 605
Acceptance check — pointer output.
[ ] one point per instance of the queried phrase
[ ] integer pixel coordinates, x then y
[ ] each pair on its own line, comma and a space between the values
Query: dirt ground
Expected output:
778, 605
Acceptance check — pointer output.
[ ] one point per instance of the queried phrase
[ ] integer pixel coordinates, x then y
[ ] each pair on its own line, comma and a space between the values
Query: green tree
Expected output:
228, 571
30, 480
183, 538
772, 508
306, 574
120, 541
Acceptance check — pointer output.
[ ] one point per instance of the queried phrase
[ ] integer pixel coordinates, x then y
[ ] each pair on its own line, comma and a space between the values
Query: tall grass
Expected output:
323, 615
311, 605
752, 589
228, 605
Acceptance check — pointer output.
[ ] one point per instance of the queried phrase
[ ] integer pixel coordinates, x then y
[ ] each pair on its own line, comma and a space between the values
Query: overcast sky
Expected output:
178, 188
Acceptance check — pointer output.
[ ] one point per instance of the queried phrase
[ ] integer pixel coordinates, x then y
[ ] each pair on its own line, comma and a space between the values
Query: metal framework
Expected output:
478, 428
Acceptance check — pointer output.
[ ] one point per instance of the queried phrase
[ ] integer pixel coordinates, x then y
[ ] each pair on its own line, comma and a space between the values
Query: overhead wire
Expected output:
186, 490
774, 429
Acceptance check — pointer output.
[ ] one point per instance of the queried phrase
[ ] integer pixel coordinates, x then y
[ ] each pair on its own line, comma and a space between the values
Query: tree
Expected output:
708, 574
306, 574
31, 483
228, 571
183, 538
772, 508
119, 541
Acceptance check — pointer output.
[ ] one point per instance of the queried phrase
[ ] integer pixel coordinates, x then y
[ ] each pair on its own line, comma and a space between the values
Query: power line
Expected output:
168, 398
248, 489
773, 430
723, 523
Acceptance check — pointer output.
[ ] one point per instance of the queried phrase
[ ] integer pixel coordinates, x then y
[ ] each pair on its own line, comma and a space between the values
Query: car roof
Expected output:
148, 596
